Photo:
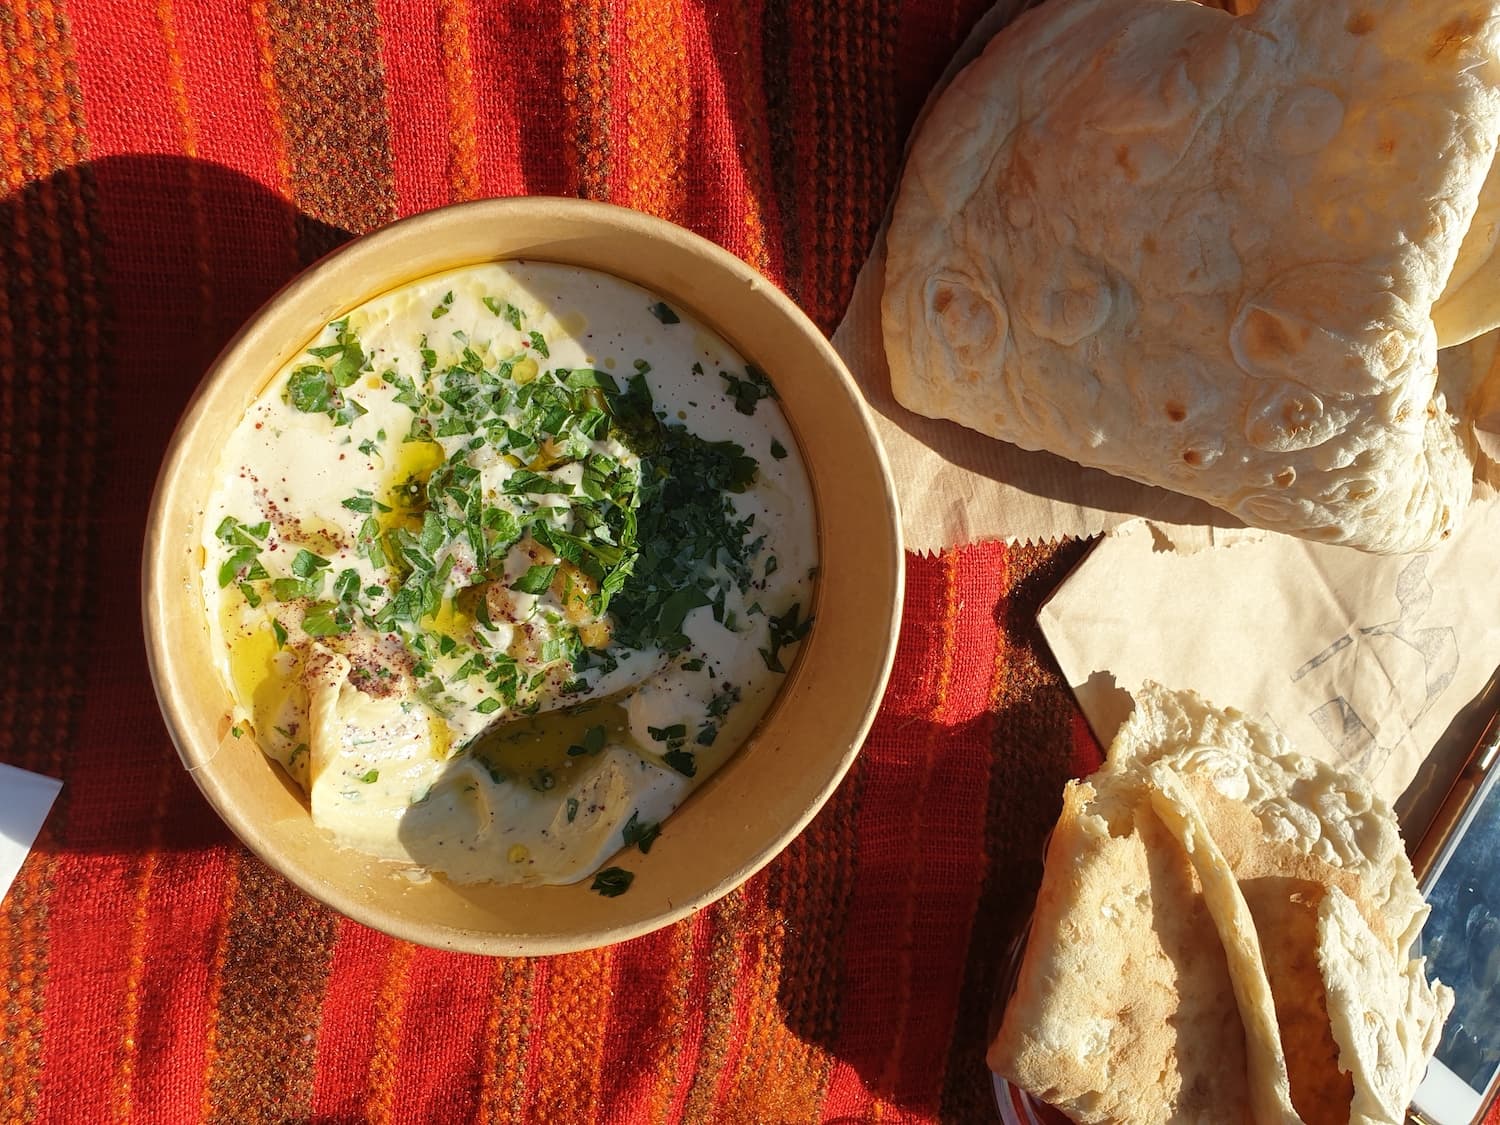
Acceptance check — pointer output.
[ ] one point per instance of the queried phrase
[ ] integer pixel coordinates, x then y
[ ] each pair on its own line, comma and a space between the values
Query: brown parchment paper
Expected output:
1361, 660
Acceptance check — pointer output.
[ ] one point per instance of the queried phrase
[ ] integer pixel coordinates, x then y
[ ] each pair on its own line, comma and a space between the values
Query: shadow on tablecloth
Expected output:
120, 280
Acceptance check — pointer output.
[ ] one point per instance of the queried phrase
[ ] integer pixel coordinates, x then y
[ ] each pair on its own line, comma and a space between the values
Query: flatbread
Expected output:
1201, 251
1138, 998
1265, 1061
1470, 305
1163, 1041
1380, 1007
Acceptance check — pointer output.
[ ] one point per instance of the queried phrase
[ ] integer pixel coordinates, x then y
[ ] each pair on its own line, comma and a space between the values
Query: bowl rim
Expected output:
162, 537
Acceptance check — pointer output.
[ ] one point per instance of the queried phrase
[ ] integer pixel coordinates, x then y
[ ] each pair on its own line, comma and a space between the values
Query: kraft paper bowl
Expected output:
740, 818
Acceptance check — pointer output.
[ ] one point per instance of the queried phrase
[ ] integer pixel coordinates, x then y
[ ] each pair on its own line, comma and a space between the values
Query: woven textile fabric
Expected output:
167, 164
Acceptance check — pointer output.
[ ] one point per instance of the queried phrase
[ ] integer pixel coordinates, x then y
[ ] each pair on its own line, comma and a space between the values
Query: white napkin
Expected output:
25, 799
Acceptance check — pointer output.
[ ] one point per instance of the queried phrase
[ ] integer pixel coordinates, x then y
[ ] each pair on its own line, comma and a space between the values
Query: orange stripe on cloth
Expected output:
458, 73
23, 956
390, 1015
586, 93
651, 110
564, 1083
260, 24
507, 1042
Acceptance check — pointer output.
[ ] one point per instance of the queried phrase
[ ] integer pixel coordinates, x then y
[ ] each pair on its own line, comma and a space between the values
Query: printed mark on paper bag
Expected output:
1370, 670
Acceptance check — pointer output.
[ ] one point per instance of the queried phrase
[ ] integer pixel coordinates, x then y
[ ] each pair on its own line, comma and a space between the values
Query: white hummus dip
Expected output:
503, 564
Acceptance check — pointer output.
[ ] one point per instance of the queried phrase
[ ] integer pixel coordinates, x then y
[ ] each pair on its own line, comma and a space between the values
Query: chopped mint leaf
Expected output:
664, 313
612, 881
326, 619
641, 833
535, 580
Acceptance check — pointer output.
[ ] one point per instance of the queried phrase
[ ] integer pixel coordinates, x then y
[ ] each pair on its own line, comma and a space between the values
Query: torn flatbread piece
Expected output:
1204, 845
1202, 251
1265, 1061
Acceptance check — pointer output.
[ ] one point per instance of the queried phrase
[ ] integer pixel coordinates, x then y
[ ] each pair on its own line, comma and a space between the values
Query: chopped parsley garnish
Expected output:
682, 761
318, 388
536, 580
505, 311
611, 882
663, 312
369, 777
748, 391
592, 742
785, 630
641, 833
623, 512
243, 564
778, 450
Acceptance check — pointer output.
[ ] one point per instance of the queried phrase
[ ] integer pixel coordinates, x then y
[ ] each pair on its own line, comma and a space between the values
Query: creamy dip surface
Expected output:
503, 564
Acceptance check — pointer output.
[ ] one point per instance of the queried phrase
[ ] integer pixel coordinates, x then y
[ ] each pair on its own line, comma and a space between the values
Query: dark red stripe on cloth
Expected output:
926, 773
585, 34
414, 41
650, 979
507, 1041
520, 52
782, 54
1033, 734
53, 329
439, 1055
727, 176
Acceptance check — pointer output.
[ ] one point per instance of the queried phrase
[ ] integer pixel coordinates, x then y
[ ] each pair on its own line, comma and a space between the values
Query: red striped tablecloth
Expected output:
167, 165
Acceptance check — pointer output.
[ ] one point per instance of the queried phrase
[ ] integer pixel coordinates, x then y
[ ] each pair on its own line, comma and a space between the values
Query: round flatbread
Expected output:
1202, 251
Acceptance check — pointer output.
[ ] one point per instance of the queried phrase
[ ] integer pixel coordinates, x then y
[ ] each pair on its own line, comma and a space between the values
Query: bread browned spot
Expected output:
1454, 35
